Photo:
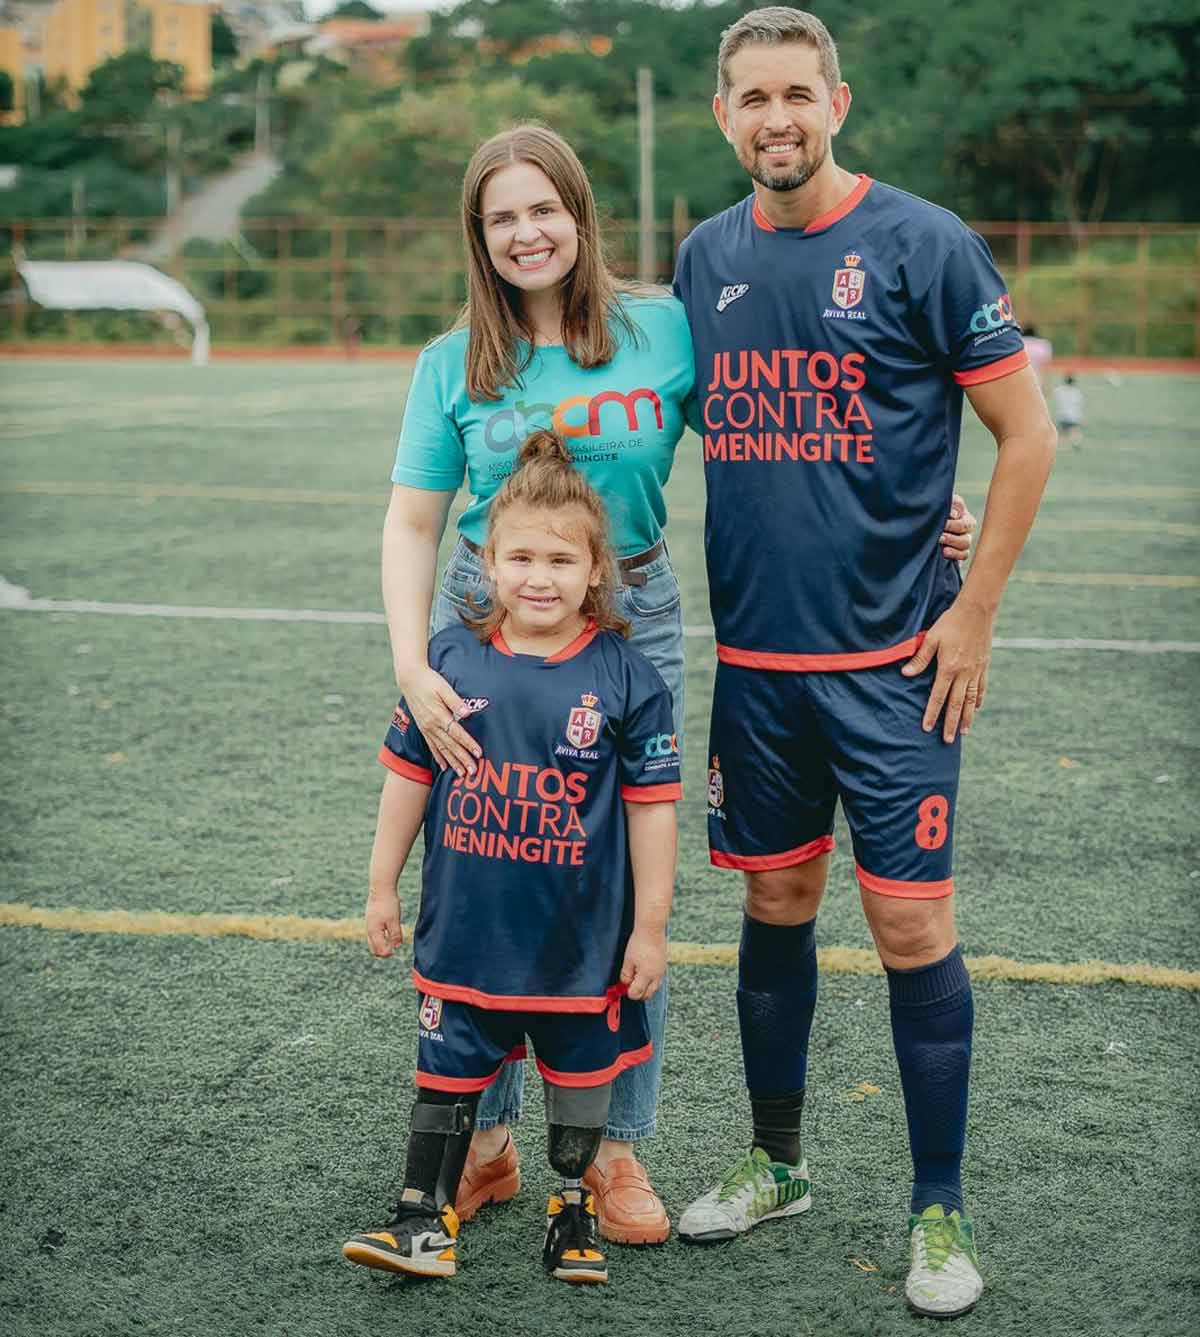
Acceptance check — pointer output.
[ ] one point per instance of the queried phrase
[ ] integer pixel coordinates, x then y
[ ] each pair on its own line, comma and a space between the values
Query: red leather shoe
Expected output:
494, 1180
629, 1209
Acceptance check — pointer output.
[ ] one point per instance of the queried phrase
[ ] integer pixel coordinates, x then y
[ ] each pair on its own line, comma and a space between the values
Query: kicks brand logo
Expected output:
731, 293
472, 705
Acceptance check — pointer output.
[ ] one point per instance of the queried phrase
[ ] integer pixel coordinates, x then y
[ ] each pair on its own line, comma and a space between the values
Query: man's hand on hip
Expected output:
961, 642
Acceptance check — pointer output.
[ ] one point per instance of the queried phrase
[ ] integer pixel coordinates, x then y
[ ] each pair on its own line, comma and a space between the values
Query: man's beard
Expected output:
802, 172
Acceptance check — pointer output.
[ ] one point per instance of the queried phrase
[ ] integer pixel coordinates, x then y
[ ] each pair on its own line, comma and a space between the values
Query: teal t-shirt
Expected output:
621, 422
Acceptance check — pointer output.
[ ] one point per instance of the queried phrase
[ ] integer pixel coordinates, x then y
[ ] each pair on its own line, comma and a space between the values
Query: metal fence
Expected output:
1117, 289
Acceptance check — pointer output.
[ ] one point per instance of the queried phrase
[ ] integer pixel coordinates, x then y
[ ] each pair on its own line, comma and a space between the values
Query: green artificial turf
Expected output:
202, 1122
192, 1128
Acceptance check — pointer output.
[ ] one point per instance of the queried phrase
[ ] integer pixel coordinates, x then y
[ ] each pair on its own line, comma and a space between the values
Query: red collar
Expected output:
839, 210
569, 651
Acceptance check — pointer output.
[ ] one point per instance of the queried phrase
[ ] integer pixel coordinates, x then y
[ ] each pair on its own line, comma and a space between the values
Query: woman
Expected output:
548, 337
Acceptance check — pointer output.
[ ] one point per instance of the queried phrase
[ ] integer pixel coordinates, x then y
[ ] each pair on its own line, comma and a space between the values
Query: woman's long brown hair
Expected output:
546, 479
493, 314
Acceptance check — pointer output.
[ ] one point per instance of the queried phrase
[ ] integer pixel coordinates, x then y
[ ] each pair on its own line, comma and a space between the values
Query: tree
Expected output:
224, 41
356, 9
1037, 112
122, 90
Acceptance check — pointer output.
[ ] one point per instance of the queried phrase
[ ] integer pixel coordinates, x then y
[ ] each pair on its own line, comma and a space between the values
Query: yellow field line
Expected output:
301, 928
1108, 579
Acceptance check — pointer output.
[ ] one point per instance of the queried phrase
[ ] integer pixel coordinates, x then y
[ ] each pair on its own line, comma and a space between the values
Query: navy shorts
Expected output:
461, 1047
785, 746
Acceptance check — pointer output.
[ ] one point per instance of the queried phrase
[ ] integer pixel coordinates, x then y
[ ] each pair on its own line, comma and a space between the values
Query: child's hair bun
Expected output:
544, 445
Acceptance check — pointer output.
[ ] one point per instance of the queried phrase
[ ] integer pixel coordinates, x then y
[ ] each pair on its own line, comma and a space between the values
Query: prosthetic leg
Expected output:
576, 1117
421, 1233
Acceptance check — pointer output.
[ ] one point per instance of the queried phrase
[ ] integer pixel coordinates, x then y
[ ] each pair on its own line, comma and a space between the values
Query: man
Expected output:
837, 323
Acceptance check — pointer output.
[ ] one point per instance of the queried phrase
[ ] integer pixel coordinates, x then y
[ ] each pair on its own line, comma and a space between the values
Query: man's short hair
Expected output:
773, 26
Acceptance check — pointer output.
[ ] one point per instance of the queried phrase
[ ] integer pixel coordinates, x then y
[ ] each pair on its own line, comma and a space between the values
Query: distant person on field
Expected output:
1039, 350
1067, 405
548, 868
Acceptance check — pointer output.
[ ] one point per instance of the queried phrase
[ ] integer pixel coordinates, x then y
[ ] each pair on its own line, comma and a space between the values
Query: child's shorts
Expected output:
784, 747
461, 1047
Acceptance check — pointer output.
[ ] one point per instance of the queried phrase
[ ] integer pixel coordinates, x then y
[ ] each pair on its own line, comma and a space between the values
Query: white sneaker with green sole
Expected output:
754, 1189
944, 1279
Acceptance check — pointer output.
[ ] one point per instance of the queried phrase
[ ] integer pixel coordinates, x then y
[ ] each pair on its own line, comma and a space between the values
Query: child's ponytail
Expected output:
545, 478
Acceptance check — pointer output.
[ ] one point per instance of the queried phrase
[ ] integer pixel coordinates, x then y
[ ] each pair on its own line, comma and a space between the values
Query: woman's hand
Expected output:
437, 709
956, 537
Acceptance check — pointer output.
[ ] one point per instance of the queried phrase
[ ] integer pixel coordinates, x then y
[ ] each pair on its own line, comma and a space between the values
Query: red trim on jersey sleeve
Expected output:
764, 863
405, 768
652, 793
913, 891
765, 659
834, 215
1004, 366
630, 1059
503, 1002
433, 1082
569, 651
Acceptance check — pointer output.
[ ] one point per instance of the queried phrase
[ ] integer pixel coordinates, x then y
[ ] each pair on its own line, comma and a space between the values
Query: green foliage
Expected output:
356, 9
122, 90
224, 41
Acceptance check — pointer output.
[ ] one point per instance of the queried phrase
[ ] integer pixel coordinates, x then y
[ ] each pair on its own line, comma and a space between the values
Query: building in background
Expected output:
64, 40
12, 67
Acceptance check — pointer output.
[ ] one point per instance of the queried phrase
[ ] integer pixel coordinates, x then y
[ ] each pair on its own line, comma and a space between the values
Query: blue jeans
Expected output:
657, 618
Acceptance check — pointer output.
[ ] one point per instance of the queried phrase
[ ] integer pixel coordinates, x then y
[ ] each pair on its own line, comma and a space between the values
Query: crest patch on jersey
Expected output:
583, 723
730, 293
716, 784
849, 283
430, 1015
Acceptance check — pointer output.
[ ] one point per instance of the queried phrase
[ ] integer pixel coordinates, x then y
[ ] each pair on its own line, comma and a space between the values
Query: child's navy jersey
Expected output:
527, 891
830, 366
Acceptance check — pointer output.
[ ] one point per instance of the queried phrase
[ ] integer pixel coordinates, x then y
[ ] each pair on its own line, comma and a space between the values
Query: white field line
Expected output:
15, 599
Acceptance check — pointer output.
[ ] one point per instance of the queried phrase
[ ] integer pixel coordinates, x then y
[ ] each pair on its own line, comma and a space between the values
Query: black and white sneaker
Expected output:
418, 1239
572, 1251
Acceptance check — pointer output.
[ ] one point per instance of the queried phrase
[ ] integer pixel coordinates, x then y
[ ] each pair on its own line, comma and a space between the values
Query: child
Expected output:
527, 925
1067, 403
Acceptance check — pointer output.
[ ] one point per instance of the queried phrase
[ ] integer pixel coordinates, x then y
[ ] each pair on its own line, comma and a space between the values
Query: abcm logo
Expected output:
665, 745
992, 315
506, 430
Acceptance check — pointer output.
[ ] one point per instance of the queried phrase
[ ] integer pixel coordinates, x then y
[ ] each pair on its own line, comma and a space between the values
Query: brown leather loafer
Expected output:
496, 1180
629, 1209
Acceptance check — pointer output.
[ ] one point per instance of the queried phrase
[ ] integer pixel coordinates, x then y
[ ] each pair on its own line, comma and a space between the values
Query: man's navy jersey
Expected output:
830, 366
527, 890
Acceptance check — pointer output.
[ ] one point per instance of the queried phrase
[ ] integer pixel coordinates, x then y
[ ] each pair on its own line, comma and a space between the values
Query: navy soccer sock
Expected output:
777, 993
932, 1017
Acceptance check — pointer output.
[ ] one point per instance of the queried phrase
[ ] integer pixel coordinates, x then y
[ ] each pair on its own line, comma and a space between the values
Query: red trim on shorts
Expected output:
862, 659
1005, 366
405, 768
432, 1082
838, 212
764, 863
652, 793
913, 891
629, 1059
569, 651
500, 1002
